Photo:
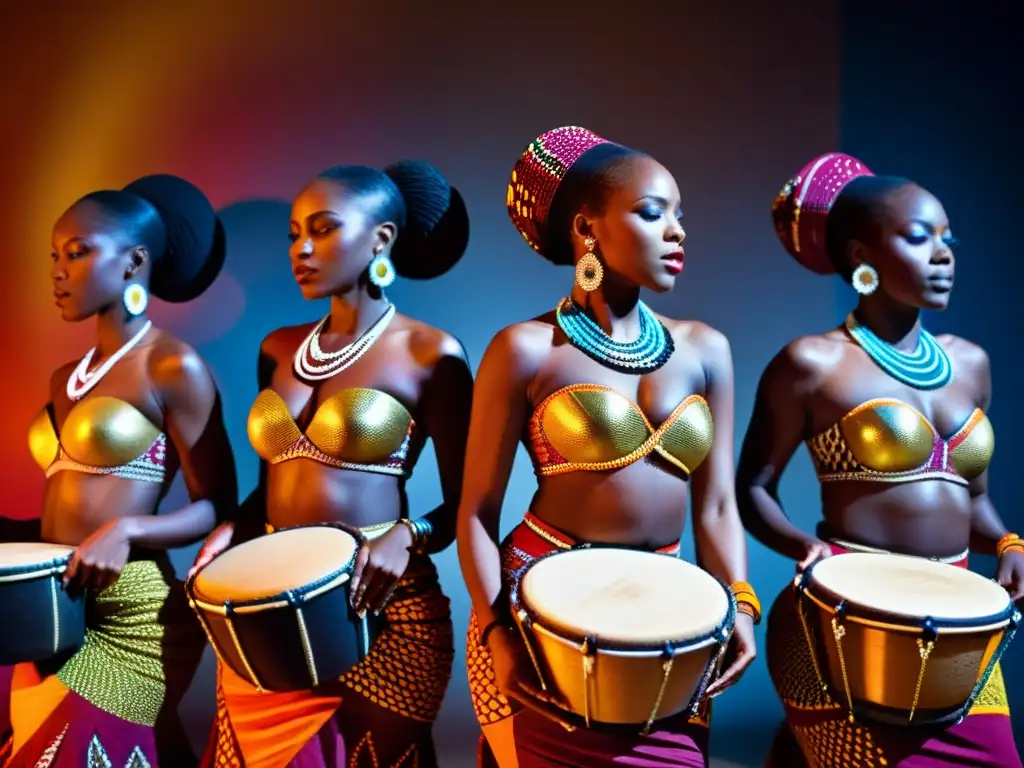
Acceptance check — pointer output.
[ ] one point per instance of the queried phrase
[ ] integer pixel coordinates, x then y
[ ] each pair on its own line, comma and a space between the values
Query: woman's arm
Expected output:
987, 529
195, 426
498, 418
777, 427
986, 526
445, 413
717, 528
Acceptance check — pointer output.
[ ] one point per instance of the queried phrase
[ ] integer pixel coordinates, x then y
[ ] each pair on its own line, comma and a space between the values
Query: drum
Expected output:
276, 608
903, 640
622, 637
38, 619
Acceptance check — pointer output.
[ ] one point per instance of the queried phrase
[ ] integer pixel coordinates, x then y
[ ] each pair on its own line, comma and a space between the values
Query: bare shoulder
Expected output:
708, 340
522, 347
429, 345
969, 359
174, 365
281, 343
806, 361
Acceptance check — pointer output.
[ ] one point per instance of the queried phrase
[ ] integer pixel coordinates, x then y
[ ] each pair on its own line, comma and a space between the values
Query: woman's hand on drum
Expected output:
218, 540
742, 651
379, 566
99, 560
1011, 573
815, 549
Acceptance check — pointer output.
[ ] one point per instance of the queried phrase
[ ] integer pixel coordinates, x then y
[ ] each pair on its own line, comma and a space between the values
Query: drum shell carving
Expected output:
39, 620
292, 641
626, 685
882, 657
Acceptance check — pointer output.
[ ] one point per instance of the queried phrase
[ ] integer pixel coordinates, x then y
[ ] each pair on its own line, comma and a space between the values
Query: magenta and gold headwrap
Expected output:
801, 207
537, 174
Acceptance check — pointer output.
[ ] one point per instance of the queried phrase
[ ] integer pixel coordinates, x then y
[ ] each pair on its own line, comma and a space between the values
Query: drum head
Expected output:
22, 554
625, 598
274, 563
910, 586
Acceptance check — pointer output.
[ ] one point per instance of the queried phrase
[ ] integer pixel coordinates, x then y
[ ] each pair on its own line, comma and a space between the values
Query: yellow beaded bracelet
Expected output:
1010, 541
746, 600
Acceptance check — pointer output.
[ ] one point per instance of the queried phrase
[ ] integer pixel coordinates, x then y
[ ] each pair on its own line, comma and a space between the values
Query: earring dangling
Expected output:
381, 271
135, 299
589, 271
865, 280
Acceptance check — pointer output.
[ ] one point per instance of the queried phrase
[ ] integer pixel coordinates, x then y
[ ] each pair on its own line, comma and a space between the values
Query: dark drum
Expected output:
38, 619
276, 608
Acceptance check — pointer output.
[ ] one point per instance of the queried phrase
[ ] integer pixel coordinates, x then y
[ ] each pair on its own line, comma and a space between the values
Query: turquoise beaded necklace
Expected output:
647, 353
927, 367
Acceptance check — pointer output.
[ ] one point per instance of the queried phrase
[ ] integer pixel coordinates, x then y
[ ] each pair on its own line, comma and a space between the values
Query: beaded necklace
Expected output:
927, 367
647, 353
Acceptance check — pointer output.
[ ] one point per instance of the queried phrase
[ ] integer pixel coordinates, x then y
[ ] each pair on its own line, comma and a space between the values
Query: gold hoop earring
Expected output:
589, 272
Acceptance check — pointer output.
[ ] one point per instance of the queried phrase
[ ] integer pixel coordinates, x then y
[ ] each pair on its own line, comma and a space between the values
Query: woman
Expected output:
614, 213
119, 425
352, 229
901, 448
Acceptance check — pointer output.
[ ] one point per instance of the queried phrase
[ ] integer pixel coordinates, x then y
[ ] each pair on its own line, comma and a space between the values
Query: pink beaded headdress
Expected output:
801, 207
537, 174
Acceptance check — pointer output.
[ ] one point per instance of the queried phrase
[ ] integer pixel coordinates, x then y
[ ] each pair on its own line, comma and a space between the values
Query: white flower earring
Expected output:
381, 270
135, 299
864, 280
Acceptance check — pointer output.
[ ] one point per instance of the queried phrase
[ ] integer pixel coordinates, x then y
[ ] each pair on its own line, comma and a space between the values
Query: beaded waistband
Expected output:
565, 541
851, 547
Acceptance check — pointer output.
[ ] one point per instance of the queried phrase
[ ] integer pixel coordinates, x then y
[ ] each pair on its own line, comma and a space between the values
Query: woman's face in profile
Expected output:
90, 262
640, 234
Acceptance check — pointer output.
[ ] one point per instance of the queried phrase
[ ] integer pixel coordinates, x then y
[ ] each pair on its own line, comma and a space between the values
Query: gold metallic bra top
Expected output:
588, 427
355, 428
101, 436
889, 441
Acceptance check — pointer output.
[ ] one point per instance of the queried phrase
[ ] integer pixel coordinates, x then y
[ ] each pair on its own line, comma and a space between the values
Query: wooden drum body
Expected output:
903, 640
622, 637
276, 608
38, 619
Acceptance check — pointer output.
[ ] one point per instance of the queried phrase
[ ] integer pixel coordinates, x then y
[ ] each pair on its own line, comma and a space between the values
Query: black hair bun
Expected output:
195, 239
436, 230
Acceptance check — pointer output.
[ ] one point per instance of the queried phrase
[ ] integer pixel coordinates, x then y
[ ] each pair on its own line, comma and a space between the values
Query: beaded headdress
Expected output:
802, 206
536, 177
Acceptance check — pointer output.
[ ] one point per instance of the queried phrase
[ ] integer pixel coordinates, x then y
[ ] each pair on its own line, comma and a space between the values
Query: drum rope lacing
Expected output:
925, 646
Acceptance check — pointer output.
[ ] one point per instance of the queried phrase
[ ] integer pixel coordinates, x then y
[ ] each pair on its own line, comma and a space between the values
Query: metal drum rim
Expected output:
856, 613
650, 649
35, 570
286, 598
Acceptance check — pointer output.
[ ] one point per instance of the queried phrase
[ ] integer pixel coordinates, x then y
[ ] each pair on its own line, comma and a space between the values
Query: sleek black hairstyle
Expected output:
856, 215
585, 186
176, 224
431, 216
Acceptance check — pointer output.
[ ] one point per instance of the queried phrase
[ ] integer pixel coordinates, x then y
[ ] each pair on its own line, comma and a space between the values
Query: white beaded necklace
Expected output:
309, 353
82, 380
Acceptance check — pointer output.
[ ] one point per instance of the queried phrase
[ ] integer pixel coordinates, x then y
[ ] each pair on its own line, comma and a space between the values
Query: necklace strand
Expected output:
927, 367
647, 353
82, 380
309, 353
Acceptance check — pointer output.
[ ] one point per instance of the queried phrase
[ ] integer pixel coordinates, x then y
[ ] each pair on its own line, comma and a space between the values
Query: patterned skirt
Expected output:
378, 715
827, 739
536, 741
113, 704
